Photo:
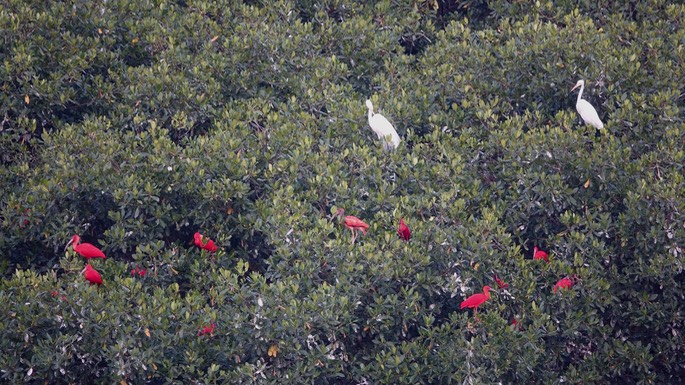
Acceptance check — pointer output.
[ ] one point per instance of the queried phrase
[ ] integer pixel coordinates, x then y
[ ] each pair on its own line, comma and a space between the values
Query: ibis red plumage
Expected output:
476, 300
539, 254
199, 242
500, 283
207, 330
403, 230
92, 275
564, 283
86, 250
353, 223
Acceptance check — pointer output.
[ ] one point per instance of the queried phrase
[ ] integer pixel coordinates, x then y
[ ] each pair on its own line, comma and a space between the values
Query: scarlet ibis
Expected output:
207, 330
403, 230
209, 246
383, 129
140, 271
476, 300
92, 275
86, 250
500, 283
25, 222
564, 283
539, 254
516, 324
353, 223
585, 109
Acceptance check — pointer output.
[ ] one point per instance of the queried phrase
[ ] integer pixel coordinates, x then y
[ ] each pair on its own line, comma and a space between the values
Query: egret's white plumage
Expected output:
383, 128
585, 109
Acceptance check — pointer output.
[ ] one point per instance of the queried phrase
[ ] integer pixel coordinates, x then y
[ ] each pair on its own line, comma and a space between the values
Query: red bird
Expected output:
353, 223
207, 330
539, 254
140, 271
564, 283
209, 246
25, 221
55, 293
476, 300
86, 250
403, 230
516, 324
501, 284
92, 275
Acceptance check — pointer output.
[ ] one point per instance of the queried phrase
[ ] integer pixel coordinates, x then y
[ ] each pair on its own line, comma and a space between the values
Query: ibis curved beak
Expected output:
574, 87
68, 244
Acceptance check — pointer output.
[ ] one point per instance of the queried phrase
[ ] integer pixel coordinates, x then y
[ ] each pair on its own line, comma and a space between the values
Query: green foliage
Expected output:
137, 124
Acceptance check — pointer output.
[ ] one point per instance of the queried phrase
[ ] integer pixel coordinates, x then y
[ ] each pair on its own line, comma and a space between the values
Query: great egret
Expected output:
585, 109
383, 128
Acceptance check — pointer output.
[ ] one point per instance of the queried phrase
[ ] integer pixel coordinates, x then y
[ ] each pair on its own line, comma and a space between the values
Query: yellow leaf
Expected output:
123, 382
154, 366
229, 210
100, 31
476, 266
147, 332
273, 351
135, 40
27, 99
214, 38
587, 183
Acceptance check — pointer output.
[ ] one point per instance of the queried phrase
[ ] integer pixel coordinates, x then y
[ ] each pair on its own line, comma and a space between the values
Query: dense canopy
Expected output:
139, 124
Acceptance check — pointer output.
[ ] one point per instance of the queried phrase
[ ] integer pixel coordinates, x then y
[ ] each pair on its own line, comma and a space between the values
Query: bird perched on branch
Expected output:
585, 109
353, 223
403, 230
565, 283
383, 128
476, 300
92, 275
199, 240
86, 250
539, 254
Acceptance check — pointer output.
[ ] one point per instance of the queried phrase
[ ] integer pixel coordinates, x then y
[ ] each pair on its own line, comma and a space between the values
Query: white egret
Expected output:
585, 109
383, 128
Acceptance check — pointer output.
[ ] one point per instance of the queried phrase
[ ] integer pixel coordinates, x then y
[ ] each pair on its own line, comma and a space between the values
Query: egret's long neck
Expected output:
370, 114
580, 93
